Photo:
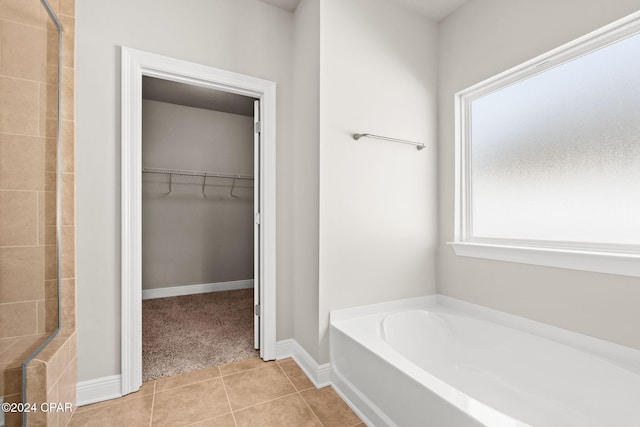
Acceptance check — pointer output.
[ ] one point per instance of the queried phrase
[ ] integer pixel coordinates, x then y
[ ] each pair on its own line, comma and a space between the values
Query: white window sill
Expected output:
601, 262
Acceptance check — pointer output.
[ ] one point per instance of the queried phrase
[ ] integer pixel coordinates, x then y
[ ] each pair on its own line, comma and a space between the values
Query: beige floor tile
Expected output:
295, 374
190, 404
243, 365
330, 408
130, 413
286, 411
222, 421
257, 386
187, 378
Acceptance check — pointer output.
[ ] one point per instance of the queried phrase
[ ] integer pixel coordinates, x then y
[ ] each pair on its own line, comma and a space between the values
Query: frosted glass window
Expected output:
556, 156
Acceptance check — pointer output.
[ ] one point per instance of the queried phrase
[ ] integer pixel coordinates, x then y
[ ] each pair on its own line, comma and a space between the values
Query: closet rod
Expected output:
418, 145
196, 173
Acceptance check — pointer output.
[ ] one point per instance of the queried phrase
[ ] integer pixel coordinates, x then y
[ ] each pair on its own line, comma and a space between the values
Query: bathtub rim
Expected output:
625, 357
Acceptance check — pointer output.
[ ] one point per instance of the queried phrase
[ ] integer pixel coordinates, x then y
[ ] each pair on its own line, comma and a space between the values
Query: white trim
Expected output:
320, 375
364, 408
135, 64
626, 357
621, 259
98, 390
599, 262
174, 291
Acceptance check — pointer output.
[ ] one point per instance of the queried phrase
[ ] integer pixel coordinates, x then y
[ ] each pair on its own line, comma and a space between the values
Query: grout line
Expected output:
287, 377
186, 385
300, 394
246, 370
311, 409
224, 387
45, 28
267, 401
153, 402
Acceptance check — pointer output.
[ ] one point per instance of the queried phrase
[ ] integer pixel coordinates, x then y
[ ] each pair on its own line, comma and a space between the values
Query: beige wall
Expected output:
377, 199
188, 239
244, 36
306, 133
479, 40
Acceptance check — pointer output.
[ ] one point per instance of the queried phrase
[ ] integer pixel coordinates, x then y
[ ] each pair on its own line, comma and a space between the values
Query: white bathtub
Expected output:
435, 361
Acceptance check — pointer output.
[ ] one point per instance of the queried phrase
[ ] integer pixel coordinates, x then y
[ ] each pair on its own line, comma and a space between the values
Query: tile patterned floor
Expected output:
245, 393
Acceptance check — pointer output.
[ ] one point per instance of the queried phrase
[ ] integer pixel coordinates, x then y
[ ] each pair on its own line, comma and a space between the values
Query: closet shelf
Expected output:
204, 174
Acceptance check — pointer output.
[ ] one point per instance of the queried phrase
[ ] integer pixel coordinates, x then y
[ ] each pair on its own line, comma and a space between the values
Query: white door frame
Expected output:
135, 64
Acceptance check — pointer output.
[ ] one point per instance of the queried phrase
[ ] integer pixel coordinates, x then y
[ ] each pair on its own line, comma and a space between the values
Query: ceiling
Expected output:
196, 96
436, 10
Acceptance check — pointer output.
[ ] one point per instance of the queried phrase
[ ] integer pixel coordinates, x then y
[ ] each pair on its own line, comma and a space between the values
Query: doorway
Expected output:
136, 66
199, 184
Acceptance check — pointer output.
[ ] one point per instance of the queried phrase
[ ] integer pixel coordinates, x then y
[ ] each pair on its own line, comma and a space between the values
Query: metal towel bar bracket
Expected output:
418, 145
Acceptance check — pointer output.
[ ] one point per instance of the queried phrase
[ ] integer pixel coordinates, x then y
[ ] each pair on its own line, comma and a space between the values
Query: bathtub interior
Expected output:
496, 374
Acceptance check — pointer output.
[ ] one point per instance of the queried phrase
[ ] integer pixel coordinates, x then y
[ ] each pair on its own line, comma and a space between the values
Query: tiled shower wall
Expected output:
28, 129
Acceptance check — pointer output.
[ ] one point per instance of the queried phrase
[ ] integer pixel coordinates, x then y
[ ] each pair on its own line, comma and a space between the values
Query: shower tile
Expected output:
47, 206
52, 74
67, 7
13, 419
68, 147
19, 106
256, 386
48, 127
24, 11
21, 275
50, 263
17, 319
6, 343
55, 6
69, 305
50, 289
50, 154
47, 315
68, 23
20, 350
48, 101
23, 51
68, 197
329, 407
10, 379
67, 390
68, 252
53, 417
52, 47
18, 218
21, 161
67, 94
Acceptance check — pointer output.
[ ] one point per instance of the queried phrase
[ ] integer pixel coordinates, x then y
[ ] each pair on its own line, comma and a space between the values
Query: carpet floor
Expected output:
185, 333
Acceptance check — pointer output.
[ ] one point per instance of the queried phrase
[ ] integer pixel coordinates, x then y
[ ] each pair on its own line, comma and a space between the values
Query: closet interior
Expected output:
197, 227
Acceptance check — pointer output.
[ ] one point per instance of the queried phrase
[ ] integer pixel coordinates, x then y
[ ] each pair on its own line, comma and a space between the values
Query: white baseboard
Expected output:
320, 375
98, 390
175, 291
107, 388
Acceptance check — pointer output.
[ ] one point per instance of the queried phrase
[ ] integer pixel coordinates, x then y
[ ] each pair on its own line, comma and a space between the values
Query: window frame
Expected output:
595, 257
